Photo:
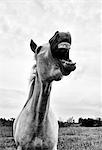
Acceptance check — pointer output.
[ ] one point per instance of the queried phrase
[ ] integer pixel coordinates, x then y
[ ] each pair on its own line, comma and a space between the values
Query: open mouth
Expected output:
62, 54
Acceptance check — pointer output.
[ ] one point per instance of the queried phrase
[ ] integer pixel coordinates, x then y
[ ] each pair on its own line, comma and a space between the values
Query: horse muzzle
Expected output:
67, 66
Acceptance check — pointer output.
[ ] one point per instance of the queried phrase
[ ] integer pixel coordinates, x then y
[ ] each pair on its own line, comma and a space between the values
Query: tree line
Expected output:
89, 122
6, 122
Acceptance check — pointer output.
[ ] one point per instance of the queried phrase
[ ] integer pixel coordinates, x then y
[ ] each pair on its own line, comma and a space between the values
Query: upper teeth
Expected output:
64, 45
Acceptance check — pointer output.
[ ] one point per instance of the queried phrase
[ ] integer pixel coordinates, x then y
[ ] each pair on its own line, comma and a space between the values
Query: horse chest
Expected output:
36, 137
38, 144
42, 141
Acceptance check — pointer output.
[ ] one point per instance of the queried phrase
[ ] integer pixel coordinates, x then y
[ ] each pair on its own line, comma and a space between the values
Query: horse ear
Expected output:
56, 32
33, 45
69, 37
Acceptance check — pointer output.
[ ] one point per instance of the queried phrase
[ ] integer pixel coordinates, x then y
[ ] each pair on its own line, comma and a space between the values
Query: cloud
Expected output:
21, 21
88, 65
11, 101
8, 96
77, 97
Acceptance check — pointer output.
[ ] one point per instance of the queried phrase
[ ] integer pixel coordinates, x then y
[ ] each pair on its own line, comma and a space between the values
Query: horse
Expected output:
36, 127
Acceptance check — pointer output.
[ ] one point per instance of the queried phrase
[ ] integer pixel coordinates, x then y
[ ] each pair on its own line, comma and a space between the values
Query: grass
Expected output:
80, 138
6, 139
70, 138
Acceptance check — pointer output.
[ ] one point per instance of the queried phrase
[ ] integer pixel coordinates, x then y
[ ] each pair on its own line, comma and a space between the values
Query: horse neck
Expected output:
40, 99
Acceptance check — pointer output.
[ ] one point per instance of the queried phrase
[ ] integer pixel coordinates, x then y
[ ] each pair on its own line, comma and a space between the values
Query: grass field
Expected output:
70, 138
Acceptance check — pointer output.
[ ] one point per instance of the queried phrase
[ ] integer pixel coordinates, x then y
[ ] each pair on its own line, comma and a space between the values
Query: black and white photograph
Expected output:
50, 75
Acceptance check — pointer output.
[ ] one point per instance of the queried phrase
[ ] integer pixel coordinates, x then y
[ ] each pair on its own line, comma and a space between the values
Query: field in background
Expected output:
80, 138
70, 138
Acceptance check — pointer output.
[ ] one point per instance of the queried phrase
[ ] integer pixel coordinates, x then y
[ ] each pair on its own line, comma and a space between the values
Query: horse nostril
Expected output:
69, 60
74, 63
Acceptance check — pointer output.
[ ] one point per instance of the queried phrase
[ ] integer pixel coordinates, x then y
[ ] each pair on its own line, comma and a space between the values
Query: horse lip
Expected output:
67, 66
67, 62
73, 64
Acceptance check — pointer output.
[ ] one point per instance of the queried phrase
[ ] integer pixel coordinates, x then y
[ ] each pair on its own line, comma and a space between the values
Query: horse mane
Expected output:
32, 83
33, 74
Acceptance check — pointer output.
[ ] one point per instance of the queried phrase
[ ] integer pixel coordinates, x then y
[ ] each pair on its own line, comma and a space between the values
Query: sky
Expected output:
77, 95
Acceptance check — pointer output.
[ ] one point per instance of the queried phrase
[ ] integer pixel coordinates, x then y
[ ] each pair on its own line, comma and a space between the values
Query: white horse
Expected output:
36, 128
